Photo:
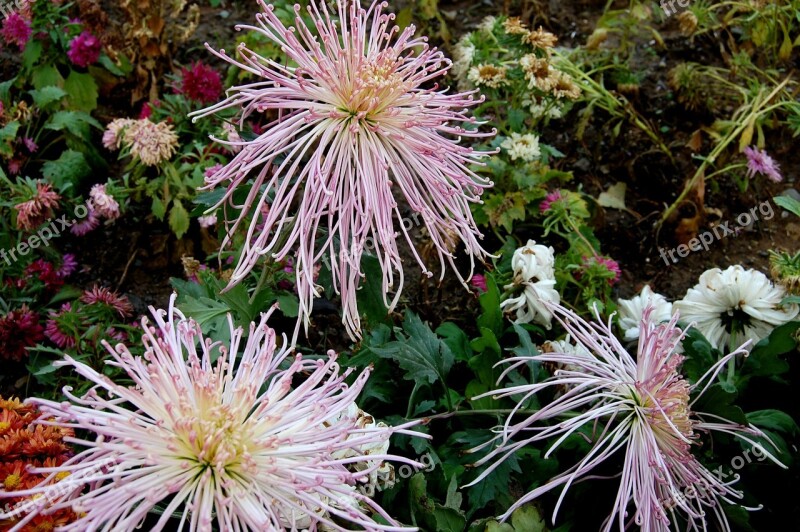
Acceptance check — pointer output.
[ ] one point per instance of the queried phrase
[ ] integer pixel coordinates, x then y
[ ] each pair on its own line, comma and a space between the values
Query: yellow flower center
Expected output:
12, 481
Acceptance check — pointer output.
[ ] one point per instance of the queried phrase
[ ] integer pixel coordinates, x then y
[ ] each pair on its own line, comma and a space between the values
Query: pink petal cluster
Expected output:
549, 199
200, 83
98, 295
759, 162
16, 30
84, 50
68, 265
609, 264
638, 407
478, 282
85, 226
102, 203
256, 440
361, 127
55, 330
34, 212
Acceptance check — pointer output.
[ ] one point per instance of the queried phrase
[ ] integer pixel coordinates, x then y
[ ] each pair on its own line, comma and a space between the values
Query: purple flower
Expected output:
84, 49
362, 128
85, 226
547, 202
758, 162
242, 435
478, 282
637, 407
30, 144
16, 30
68, 265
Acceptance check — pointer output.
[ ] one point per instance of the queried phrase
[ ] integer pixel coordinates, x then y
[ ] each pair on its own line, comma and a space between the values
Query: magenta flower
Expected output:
639, 407
57, 331
19, 330
87, 225
605, 263
758, 162
200, 83
16, 30
30, 145
68, 265
98, 295
84, 49
361, 129
547, 202
478, 282
256, 440
103, 204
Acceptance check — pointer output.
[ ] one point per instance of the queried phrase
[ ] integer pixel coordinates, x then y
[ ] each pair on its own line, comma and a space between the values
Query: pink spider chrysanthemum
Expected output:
639, 407
240, 435
360, 127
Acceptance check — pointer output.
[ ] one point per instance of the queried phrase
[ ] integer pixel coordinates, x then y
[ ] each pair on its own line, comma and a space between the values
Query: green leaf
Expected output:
527, 518
76, 122
82, 90
370, 294
47, 95
716, 400
433, 514
788, 203
775, 420
178, 219
764, 358
423, 355
491, 317
110, 66
67, 170
46, 76
289, 305
210, 314
456, 339
32, 53
158, 208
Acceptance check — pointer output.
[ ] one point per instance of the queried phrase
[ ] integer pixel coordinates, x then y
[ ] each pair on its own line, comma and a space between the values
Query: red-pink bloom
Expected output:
98, 295
547, 202
361, 128
19, 329
478, 282
200, 83
759, 162
606, 263
240, 436
34, 212
84, 50
16, 30
46, 272
59, 332
638, 407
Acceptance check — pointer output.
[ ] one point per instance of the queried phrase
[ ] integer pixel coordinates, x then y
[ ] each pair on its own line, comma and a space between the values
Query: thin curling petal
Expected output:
360, 126
638, 407
241, 436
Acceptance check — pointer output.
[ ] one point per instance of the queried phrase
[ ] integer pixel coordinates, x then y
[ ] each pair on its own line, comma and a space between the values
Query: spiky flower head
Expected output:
200, 83
35, 211
359, 129
759, 162
251, 438
733, 305
152, 143
638, 407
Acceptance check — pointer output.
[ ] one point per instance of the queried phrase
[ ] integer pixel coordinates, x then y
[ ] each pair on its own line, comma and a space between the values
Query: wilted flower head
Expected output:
540, 38
16, 30
242, 441
103, 204
488, 76
34, 212
358, 128
534, 272
734, 305
632, 310
19, 330
200, 83
759, 162
638, 407
84, 50
152, 143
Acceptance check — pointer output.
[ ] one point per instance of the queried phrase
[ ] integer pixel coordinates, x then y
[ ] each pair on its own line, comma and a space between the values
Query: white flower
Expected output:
543, 110
525, 147
566, 346
103, 204
735, 305
530, 305
533, 261
487, 24
488, 75
463, 53
630, 311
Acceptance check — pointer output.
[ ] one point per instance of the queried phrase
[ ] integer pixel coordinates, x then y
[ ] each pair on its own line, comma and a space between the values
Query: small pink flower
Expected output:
84, 49
14, 166
478, 282
211, 170
16, 30
547, 202
30, 144
207, 221
86, 226
609, 264
56, 332
34, 212
103, 204
759, 162
68, 265
200, 83
98, 295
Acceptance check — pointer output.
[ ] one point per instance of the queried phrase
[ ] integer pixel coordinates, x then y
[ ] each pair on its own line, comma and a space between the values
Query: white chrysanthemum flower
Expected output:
539, 110
735, 305
525, 147
530, 305
488, 75
487, 24
463, 54
533, 261
630, 311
